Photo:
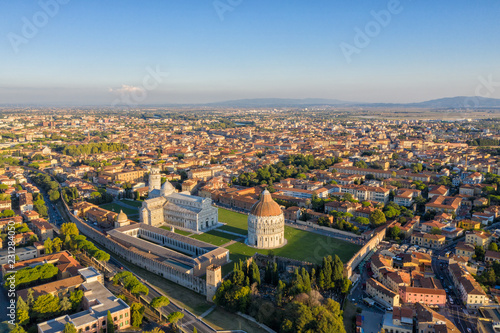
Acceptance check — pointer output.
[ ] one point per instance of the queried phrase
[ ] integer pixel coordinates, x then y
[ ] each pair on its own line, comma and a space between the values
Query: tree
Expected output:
280, 292
48, 246
18, 329
69, 229
30, 299
436, 231
22, 312
493, 247
346, 285
479, 253
158, 330
362, 220
54, 195
76, 298
46, 306
174, 317
394, 232
101, 255
110, 326
377, 218
159, 302
57, 244
65, 304
69, 328
137, 310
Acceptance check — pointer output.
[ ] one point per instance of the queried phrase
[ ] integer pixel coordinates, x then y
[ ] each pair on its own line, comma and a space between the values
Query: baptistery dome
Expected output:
266, 224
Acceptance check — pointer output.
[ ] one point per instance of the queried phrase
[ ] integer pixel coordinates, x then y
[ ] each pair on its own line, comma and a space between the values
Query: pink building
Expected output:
426, 296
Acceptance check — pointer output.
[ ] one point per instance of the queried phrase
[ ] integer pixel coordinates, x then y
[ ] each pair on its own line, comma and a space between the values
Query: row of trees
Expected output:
71, 239
91, 148
50, 186
29, 276
130, 282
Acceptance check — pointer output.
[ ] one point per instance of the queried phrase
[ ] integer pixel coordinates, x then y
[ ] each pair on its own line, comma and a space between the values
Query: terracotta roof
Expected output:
266, 206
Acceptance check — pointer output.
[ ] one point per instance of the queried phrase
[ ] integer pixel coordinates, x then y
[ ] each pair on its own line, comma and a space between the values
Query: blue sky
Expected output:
93, 52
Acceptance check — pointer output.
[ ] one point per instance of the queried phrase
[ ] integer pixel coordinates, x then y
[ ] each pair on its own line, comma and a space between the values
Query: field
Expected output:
302, 245
215, 237
236, 222
132, 202
116, 208
178, 231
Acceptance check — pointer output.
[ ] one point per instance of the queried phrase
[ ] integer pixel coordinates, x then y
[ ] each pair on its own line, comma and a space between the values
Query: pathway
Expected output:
209, 311
123, 204
229, 243
230, 233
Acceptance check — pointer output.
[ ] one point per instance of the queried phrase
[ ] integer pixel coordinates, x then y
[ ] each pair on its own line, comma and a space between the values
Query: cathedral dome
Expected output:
167, 189
266, 206
122, 217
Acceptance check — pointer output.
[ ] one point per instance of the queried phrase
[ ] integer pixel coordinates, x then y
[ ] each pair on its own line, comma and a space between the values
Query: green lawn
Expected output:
116, 208
236, 222
177, 231
215, 237
132, 202
302, 245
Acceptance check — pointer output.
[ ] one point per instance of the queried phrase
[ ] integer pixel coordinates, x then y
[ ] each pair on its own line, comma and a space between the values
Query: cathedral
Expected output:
266, 224
180, 210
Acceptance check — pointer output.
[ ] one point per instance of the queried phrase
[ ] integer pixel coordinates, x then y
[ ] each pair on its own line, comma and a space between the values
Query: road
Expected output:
455, 311
189, 322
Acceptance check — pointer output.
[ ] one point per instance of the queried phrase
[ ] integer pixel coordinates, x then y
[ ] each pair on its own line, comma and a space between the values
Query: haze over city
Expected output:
87, 53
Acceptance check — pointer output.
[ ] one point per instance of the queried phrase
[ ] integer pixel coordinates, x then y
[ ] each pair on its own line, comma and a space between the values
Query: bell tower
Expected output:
154, 179
214, 279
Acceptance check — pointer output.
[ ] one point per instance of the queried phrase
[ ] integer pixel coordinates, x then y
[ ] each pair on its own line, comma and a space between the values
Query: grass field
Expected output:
177, 231
236, 222
215, 237
302, 245
132, 202
116, 208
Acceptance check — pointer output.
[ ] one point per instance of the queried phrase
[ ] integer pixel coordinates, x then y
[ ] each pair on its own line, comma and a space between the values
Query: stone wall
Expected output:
363, 252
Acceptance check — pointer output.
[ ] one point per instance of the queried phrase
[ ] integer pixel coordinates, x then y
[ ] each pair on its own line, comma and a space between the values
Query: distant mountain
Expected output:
459, 102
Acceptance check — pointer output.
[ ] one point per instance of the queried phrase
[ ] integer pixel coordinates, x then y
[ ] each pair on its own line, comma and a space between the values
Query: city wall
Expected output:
363, 252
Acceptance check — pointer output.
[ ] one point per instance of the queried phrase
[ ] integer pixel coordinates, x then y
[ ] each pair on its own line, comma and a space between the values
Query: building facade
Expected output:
266, 224
179, 210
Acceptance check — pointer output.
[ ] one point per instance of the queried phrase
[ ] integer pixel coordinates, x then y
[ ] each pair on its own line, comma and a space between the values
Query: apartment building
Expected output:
97, 301
443, 204
465, 250
381, 293
471, 293
428, 240
428, 296
367, 193
478, 238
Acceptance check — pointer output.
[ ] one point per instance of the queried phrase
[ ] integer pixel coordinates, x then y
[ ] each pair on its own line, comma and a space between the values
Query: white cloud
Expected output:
126, 89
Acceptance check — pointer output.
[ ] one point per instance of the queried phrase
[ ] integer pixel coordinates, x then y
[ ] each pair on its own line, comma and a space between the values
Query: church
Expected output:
180, 210
266, 224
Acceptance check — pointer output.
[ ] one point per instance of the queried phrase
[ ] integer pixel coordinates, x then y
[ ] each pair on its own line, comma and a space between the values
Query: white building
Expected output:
266, 224
180, 210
